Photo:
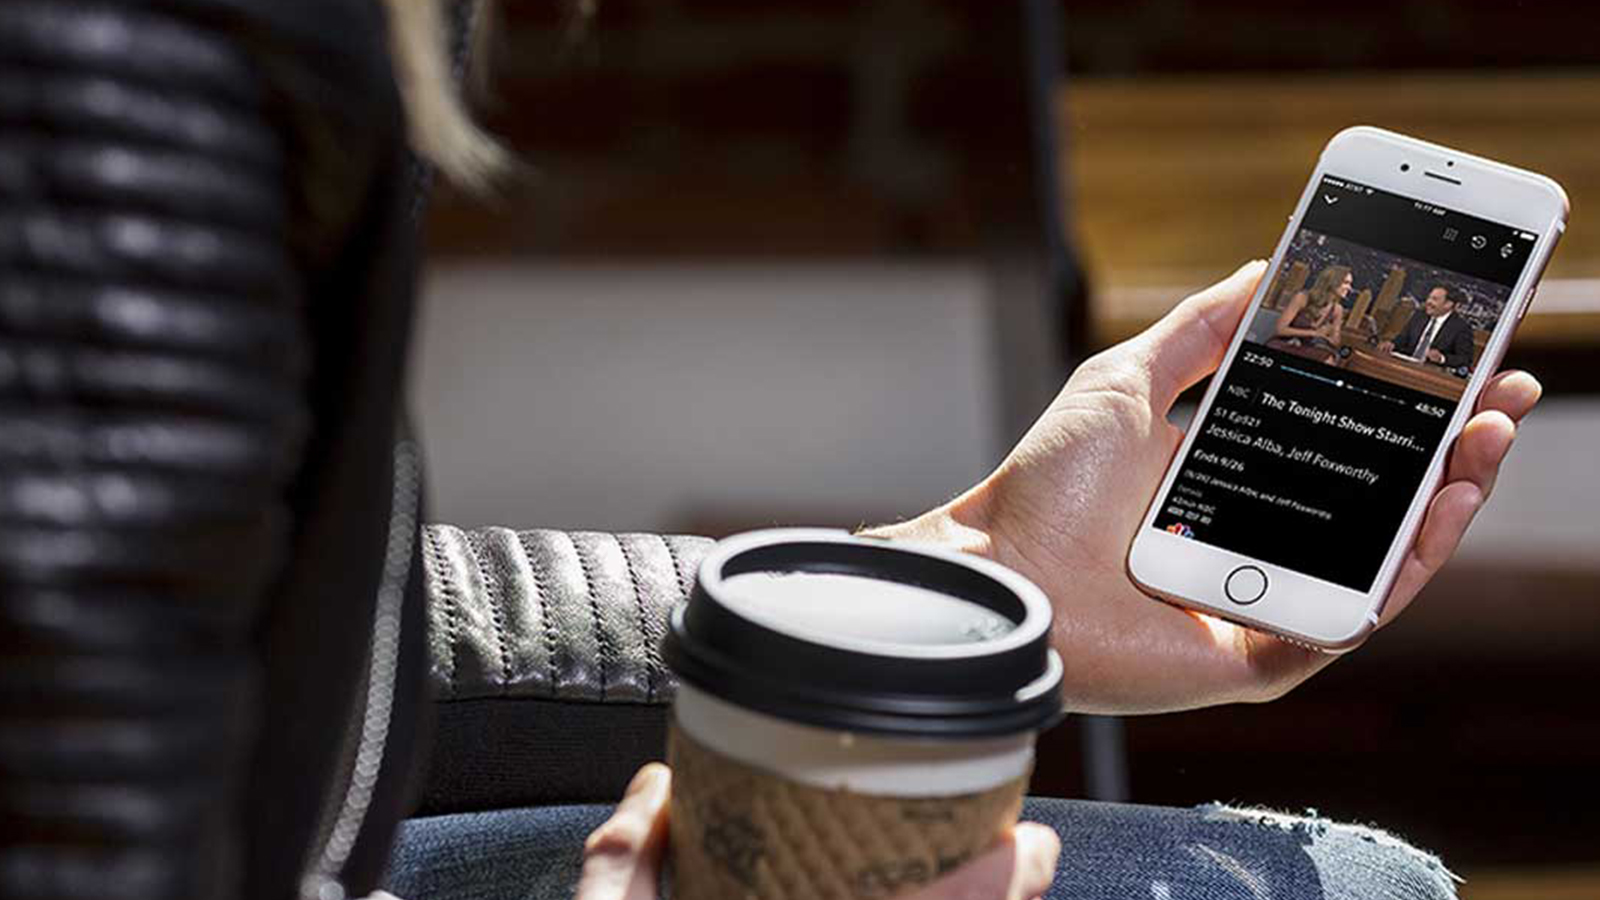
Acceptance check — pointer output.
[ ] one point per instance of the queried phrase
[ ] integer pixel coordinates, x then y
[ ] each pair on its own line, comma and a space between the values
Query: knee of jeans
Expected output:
1354, 862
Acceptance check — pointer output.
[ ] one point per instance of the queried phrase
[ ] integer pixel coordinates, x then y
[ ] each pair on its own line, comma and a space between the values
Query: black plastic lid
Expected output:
1006, 684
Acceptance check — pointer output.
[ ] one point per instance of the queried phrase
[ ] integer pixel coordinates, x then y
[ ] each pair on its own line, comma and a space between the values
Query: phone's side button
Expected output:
1527, 302
1245, 585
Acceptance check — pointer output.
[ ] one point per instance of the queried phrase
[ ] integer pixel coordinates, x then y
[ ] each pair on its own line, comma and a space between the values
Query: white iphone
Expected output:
1301, 483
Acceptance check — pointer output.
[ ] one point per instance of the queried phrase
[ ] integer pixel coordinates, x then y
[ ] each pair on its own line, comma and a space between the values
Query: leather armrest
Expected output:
544, 656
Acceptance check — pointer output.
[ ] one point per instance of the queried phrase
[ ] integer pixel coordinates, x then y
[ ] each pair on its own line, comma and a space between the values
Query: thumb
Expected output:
622, 858
1187, 344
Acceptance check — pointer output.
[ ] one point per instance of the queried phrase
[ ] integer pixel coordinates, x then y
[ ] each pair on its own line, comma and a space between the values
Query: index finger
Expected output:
622, 858
1513, 392
1483, 443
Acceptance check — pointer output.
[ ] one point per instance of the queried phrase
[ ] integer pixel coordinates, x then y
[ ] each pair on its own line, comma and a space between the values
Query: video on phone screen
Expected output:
1353, 362
1361, 309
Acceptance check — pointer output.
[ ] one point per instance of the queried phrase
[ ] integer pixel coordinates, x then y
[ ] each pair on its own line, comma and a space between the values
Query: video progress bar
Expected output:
1339, 382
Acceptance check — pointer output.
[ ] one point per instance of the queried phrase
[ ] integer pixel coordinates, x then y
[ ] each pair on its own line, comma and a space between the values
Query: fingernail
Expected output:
1033, 837
645, 779
1038, 851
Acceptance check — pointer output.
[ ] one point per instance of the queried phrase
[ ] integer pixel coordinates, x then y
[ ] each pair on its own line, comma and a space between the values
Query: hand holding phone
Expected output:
1075, 491
1293, 502
1064, 505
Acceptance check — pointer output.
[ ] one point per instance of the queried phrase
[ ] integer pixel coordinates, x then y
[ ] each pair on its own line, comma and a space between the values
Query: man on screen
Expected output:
1433, 334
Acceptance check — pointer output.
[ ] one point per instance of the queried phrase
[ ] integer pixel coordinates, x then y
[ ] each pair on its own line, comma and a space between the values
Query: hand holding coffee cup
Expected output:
855, 718
622, 858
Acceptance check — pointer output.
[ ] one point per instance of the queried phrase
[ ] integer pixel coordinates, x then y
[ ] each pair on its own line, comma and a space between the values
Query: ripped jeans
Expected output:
1108, 852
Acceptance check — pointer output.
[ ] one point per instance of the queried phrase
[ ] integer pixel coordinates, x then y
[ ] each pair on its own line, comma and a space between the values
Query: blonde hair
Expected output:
1323, 289
441, 130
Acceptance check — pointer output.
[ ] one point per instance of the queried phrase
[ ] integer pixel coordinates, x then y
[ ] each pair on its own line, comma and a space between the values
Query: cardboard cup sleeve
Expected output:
742, 833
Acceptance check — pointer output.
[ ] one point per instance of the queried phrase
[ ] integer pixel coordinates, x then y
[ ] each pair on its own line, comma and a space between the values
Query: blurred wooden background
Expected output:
1176, 177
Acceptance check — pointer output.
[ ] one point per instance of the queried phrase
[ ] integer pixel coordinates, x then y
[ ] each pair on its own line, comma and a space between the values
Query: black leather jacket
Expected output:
211, 585
207, 518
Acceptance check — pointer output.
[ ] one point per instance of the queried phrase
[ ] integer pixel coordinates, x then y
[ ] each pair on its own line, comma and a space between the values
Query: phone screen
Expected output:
1353, 362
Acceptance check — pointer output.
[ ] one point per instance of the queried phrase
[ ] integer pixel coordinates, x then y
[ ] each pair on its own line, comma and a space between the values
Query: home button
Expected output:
1245, 585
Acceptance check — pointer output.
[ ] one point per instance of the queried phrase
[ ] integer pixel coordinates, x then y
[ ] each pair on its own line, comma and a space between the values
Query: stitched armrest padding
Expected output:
545, 661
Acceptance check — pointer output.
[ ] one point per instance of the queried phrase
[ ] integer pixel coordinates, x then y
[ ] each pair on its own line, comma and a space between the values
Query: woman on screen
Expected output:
1310, 322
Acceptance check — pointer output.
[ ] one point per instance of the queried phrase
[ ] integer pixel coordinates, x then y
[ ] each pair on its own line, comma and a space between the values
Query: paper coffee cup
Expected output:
855, 717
